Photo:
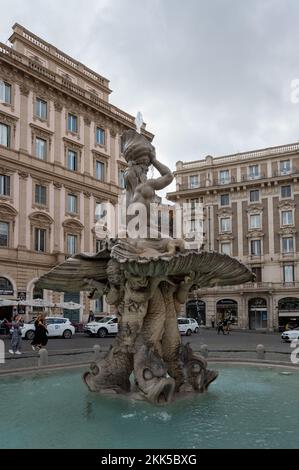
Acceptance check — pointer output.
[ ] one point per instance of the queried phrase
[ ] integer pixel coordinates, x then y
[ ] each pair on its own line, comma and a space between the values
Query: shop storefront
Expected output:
288, 312
227, 309
257, 313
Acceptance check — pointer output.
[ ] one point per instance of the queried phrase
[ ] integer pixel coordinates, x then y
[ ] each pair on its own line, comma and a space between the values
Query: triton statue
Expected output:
146, 280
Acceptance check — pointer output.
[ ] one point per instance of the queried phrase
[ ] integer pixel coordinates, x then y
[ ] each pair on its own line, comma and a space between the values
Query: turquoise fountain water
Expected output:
247, 407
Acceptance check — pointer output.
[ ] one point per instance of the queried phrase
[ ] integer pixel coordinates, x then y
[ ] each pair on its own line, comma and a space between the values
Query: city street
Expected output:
80, 348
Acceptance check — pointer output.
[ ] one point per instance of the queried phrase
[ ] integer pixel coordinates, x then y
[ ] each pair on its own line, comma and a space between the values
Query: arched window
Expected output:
6, 287
227, 309
196, 309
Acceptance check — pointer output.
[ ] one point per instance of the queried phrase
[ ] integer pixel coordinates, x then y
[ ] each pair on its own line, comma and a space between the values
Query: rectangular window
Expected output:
226, 248
287, 217
286, 191
72, 123
72, 203
288, 273
122, 144
4, 185
98, 245
100, 171
257, 270
255, 247
253, 171
40, 194
4, 228
288, 245
194, 181
254, 195
285, 166
5, 135
224, 177
225, 225
193, 225
71, 244
98, 305
255, 221
40, 148
121, 179
193, 202
40, 240
100, 136
5, 92
224, 199
41, 109
72, 160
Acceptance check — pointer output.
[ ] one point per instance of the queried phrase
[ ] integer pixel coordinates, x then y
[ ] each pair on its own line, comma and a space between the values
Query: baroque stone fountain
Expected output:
146, 280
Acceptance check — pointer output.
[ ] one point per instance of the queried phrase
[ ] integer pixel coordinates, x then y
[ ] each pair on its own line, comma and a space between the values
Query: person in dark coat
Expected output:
220, 327
41, 333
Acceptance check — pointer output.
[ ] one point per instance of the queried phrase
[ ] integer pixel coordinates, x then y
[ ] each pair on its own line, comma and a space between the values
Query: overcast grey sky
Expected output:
210, 76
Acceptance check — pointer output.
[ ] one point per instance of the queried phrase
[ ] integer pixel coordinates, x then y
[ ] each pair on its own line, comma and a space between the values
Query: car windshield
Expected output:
105, 319
183, 322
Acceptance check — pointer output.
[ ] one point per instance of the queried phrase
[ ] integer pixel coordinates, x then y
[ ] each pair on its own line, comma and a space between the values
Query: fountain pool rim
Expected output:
211, 362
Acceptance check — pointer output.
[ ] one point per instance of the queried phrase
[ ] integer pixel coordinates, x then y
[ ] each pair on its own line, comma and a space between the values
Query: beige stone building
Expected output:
60, 155
251, 212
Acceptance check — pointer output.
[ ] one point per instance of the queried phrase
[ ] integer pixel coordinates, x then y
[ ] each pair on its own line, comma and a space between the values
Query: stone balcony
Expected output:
251, 287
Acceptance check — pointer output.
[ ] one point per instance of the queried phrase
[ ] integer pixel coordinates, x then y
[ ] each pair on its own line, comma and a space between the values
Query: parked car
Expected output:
56, 326
102, 327
187, 326
290, 335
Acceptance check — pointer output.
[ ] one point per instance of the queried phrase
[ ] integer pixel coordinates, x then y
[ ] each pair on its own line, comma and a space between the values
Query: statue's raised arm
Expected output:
166, 175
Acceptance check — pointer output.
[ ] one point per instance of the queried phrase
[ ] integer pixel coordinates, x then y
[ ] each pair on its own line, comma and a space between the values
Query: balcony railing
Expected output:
254, 286
235, 181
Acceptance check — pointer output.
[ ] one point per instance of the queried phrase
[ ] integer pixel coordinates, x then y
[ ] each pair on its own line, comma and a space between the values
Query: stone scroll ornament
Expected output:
146, 280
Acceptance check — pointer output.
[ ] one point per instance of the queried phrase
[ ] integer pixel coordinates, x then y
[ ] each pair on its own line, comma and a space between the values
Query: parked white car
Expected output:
290, 335
187, 326
56, 326
103, 327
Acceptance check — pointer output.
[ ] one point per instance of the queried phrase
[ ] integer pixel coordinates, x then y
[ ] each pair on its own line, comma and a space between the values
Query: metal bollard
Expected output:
96, 350
260, 351
204, 350
43, 357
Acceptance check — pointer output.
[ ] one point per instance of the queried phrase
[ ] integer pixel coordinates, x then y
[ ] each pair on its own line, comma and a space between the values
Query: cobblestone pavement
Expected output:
240, 344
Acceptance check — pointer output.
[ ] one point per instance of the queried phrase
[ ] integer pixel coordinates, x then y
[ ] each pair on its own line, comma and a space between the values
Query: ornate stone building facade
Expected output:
251, 212
60, 155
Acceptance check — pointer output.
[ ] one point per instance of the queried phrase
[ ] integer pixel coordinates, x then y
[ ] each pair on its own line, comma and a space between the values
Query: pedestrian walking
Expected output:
41, 333
16, 338
220, 327
226, 326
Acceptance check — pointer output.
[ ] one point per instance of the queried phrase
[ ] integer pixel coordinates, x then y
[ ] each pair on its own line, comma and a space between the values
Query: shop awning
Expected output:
288, 313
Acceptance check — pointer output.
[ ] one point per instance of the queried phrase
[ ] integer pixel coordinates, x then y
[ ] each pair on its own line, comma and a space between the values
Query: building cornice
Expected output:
56, 86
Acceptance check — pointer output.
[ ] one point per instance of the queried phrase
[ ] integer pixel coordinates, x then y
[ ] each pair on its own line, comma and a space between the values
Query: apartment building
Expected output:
60, 156
251, 212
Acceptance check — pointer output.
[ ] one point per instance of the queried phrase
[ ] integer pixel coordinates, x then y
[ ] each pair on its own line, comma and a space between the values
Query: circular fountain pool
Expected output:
246, 407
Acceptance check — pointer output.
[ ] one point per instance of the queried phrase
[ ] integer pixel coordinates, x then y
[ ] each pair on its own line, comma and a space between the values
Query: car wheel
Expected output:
196, 330
29, 335
67, 334
102, 332
188, 332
